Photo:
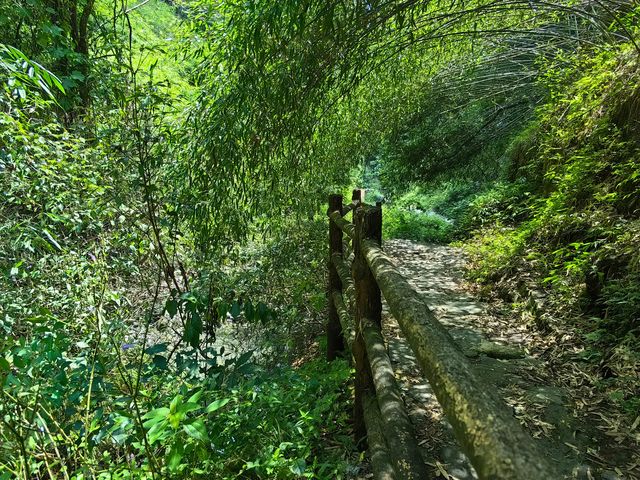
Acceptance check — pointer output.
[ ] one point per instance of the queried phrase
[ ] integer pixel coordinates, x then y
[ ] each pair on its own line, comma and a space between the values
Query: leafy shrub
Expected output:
415, 225
621, 298
281, 270
431, 213
447, 198
63, 235
505, 203
84, 393
276, 424
568, 219
494, 251
100, 408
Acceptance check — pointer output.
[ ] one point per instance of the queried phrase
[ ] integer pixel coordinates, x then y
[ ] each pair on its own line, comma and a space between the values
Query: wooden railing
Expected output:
359, 274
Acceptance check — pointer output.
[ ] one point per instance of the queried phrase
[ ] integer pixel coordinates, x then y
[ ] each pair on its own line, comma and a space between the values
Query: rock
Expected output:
610, 475
495, 350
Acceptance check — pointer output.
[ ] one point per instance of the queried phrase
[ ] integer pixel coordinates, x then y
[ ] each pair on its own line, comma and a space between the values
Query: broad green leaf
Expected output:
193, 329
155, 416
160, 362
175, 455
160, 347
157, 431
217, 404
223, 308
235, 310
196, 430
298, 467
244, 358
249, 311
177, 400
188, 407
195, 397
175, 419
171, 307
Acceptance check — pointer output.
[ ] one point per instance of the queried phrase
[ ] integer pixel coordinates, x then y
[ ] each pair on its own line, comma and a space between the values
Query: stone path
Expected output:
437, 273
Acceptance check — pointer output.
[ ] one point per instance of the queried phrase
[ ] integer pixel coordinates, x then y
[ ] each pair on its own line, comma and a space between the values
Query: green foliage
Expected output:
62, 236
19, 75
124, 414
275, 278
496, 253
155, 29
579, 185
84, 392
569, 217
55, 36
416, 225
503, 202
276, 425
161, 261
463, 142
309, 89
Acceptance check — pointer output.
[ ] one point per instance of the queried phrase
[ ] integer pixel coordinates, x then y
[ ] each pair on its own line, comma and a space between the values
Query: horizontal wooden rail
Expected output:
378, 449
403, 446
346, 322
346, 227
335, 334
488, 433
495, 442
380, 415
347, 251
348, 208
343, 272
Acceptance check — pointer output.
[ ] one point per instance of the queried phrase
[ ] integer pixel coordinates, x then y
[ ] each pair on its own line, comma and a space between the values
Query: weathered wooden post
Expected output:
368, 222
358, 194
335, 342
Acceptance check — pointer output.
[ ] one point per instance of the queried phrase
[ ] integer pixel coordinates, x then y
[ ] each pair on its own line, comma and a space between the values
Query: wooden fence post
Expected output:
335, 341
368, 222
358, 194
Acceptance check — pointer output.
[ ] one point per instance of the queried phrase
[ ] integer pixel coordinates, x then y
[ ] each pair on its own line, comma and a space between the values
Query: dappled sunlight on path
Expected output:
494, 345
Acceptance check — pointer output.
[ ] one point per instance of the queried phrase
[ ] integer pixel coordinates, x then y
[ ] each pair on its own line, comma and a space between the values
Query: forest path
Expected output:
496, 345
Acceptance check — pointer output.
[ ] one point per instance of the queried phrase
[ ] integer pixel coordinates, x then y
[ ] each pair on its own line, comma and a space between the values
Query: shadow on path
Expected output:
437, 273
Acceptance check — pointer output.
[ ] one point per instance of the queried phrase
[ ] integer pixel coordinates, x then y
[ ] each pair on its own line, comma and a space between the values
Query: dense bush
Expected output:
415, 225
570, 218
110, 365
114, 410
105, 376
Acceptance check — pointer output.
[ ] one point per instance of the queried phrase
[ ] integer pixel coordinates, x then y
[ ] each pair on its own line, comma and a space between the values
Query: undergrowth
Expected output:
553, 210
569, 222
415, 225
114, 410
110, 365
